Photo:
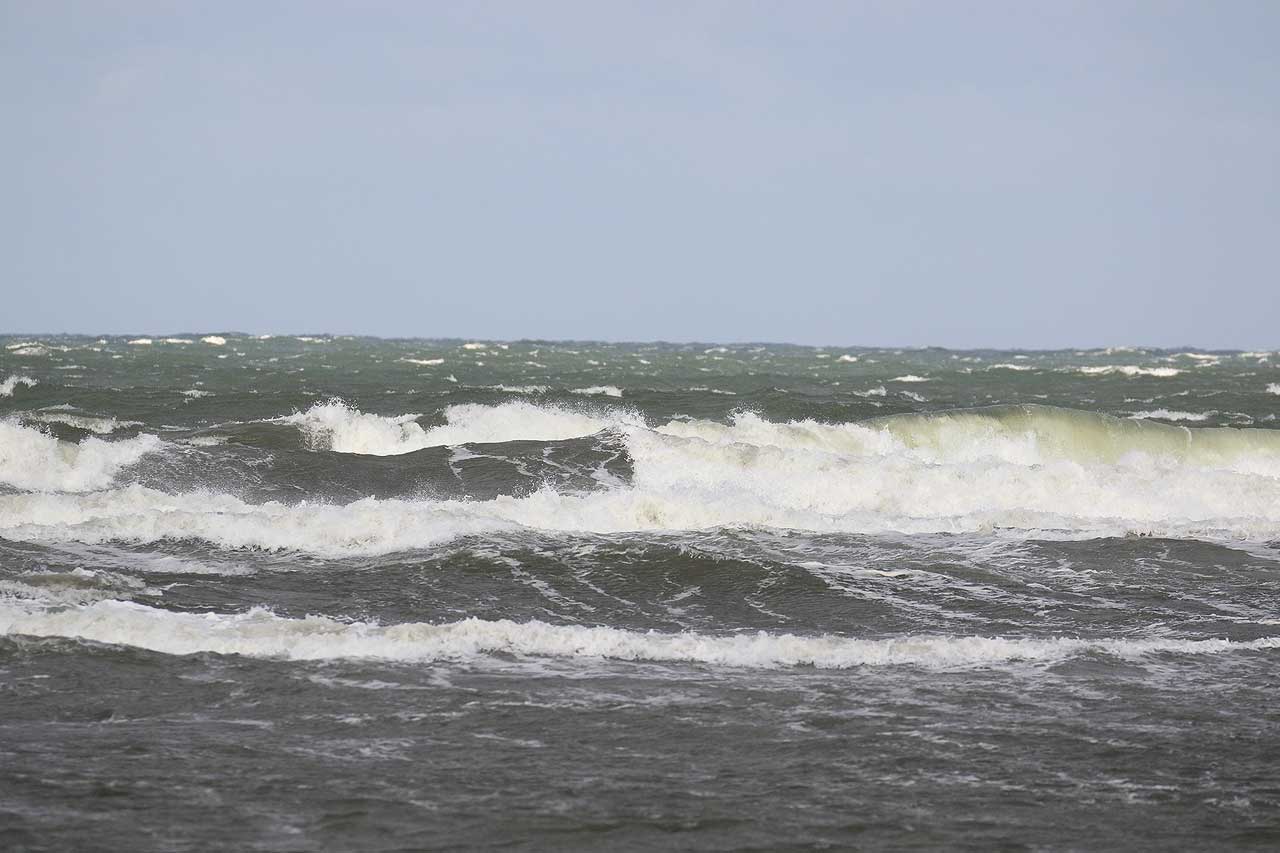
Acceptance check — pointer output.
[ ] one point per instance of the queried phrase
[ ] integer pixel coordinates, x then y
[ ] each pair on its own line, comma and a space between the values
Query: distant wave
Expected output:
1131, 370
259, 633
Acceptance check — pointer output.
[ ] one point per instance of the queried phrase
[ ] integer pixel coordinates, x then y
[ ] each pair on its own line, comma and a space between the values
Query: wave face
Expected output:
1021, 435
78, 420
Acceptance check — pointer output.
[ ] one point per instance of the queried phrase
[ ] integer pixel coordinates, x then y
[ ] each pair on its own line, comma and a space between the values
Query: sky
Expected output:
964, 174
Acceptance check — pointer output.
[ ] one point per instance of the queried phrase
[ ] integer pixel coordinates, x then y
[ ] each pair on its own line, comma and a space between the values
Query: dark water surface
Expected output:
339, 594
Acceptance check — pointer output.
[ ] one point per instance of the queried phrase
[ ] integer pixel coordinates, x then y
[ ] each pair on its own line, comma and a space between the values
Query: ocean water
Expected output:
317, 593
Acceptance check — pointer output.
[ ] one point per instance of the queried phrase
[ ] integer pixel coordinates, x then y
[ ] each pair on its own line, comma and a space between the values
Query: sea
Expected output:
295, 593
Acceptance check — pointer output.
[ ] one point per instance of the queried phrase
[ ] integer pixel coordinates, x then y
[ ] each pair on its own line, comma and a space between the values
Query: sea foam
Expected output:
1131, 370
338, 427
8, 386
259, 633
601, 390
33, 460
1046, 471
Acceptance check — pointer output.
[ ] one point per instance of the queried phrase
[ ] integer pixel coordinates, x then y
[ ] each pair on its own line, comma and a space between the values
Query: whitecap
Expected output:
31, 459
1130, 370
1168, 415
336, 426
262, 634
11, 384
599, 390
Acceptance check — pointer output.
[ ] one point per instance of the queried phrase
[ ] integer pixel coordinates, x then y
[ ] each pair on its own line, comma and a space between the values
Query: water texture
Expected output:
318, 593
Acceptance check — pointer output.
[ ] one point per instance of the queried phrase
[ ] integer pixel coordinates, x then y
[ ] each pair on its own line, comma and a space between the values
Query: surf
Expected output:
1013, 470
262, 634
33, 460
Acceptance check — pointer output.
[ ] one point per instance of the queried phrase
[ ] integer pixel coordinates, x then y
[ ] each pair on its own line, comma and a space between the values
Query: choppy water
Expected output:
329, 594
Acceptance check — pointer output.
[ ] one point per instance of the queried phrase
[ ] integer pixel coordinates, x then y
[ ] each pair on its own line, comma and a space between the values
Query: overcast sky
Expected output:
1029, 174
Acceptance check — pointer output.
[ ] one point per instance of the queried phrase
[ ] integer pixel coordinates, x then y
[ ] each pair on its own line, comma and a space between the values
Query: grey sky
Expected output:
1012, 174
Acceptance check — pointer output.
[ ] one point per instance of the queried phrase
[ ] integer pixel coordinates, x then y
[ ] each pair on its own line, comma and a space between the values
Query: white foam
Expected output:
847, 358
259, 633
910, 377
214, 340
425, 362
520, 389
600, 390
1273, 388
11, 384
30, 459
178, 341
141, 342
1168, 415
1130, 370
1048, 472
338, 427
341, 428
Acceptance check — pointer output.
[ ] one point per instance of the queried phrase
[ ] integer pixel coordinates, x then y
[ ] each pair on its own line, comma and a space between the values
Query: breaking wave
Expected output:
598, 390
1021, 435
1130, 370
259, 633
1032, 469
341, 428
33, 460
11, 384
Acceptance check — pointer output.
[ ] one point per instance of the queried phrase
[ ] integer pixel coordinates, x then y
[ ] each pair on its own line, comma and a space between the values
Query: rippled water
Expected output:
333, 593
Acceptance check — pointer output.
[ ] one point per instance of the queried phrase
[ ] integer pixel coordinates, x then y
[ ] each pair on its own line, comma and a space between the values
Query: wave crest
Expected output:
1048, 471
259, 633
11, 384
342, 428
33, 460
